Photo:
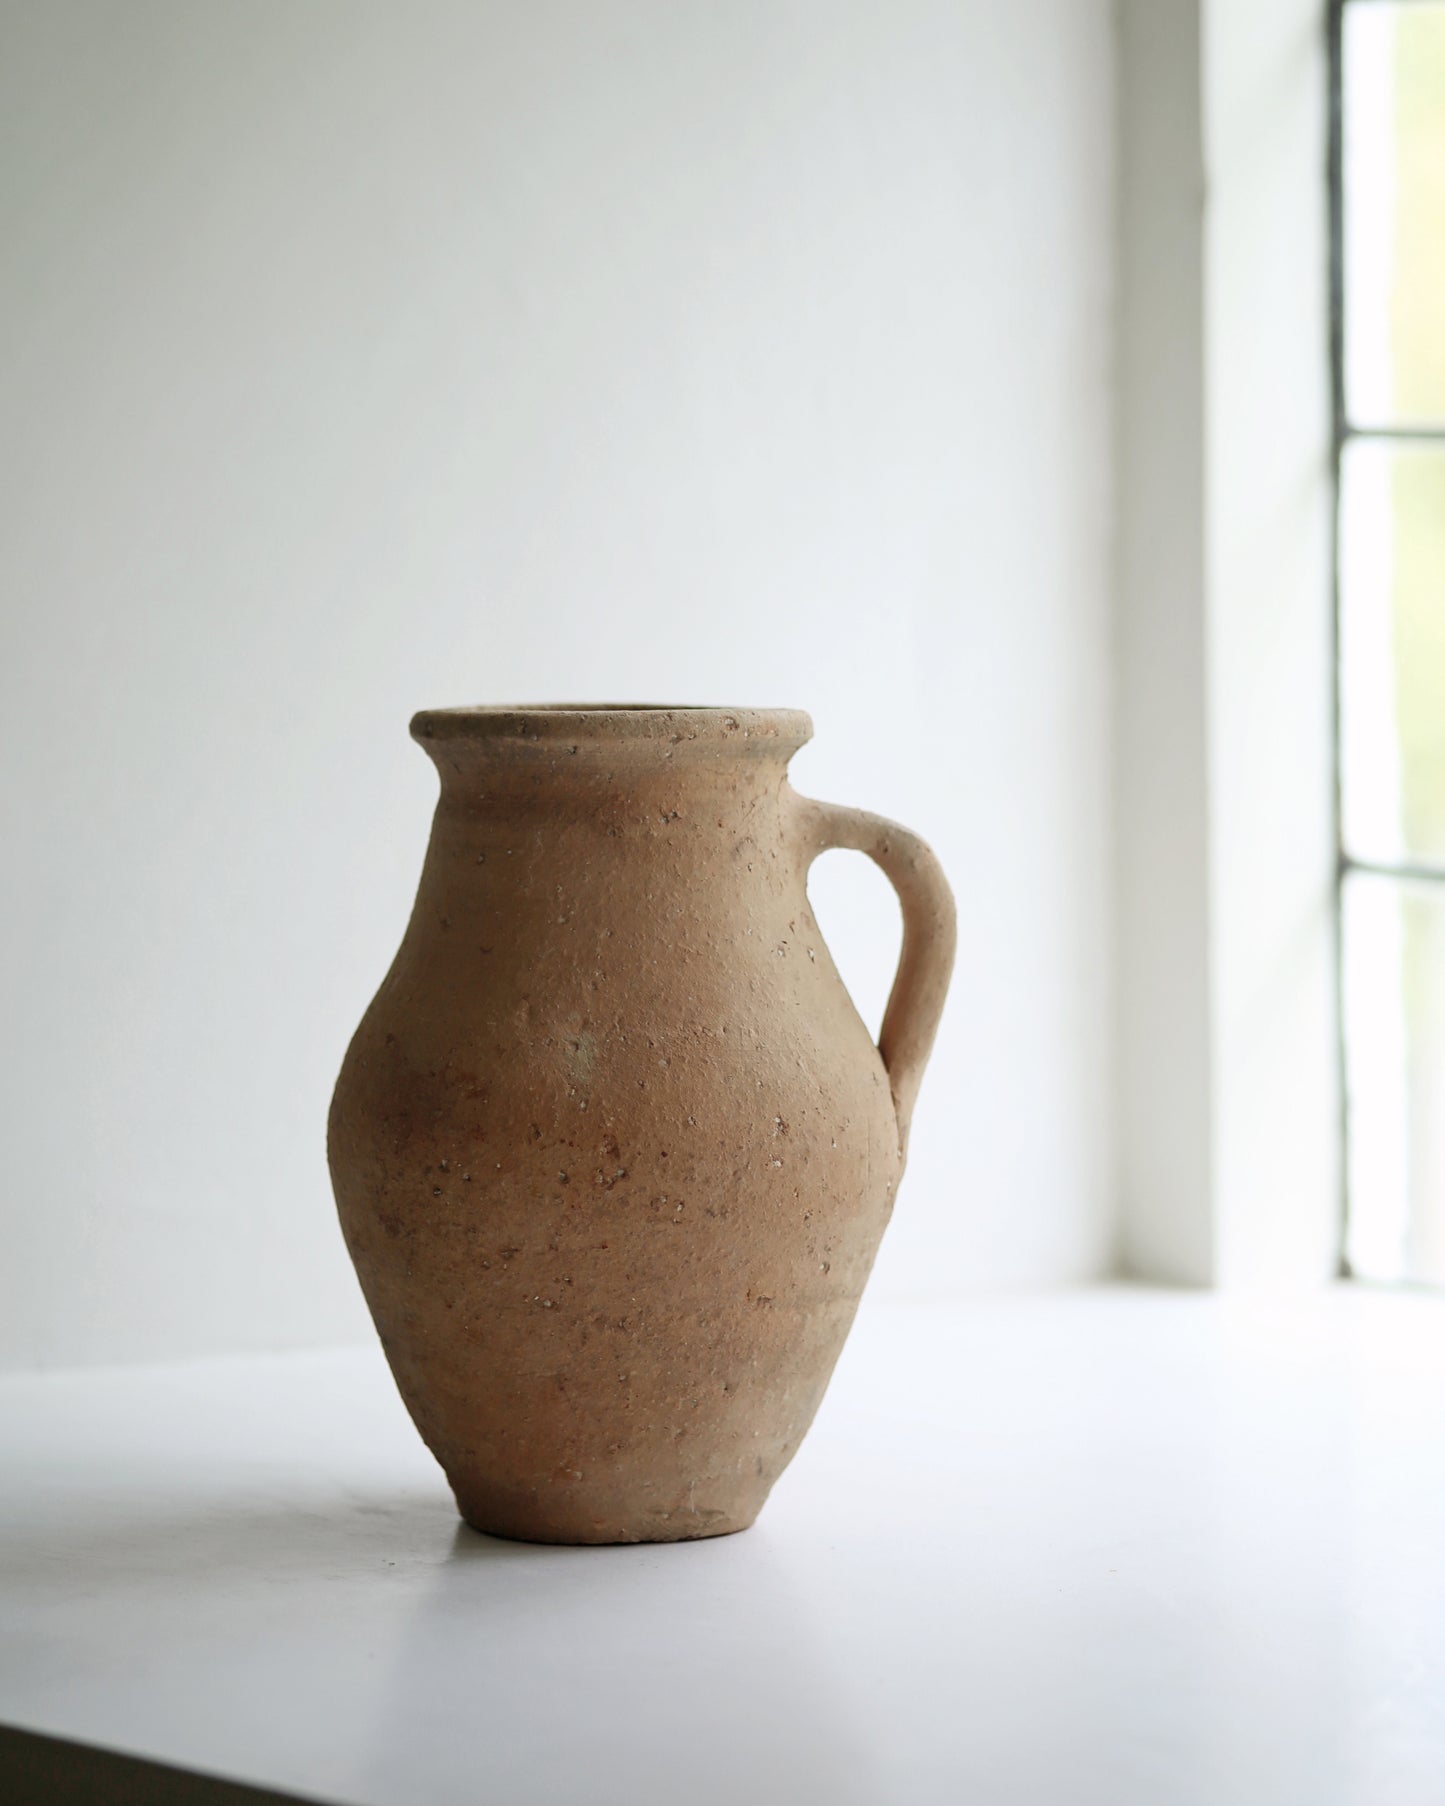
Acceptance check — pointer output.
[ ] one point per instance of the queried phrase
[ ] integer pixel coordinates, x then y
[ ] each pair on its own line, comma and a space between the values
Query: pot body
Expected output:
612, 1149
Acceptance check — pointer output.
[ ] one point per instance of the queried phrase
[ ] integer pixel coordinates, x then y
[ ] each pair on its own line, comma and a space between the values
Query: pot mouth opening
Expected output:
615, 722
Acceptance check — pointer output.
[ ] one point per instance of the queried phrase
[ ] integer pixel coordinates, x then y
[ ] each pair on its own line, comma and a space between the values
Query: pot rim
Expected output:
613, 721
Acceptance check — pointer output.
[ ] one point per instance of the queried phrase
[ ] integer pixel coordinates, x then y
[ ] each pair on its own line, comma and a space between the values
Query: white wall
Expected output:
358, 357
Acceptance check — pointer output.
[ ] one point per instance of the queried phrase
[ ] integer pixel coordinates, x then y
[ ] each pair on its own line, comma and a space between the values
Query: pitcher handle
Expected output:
925, 963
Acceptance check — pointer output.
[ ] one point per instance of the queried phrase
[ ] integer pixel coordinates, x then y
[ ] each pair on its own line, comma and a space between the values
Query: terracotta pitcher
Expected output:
612, 1148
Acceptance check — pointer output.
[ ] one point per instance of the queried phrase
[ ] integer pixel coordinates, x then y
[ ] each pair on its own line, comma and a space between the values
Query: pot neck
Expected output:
492, 752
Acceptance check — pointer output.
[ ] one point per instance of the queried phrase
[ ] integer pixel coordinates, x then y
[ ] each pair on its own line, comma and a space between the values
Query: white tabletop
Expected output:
1088, 1550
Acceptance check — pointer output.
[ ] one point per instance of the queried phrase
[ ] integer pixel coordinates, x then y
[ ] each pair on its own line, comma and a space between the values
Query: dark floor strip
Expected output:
51, 1771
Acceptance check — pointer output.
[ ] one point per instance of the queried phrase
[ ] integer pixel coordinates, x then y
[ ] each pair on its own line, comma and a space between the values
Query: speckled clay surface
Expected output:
612, 1149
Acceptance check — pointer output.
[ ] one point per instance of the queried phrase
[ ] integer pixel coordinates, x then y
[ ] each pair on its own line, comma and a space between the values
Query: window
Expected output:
1388, 355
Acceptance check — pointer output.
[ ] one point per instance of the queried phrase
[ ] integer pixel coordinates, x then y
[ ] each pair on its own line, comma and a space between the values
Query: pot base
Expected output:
663, 1527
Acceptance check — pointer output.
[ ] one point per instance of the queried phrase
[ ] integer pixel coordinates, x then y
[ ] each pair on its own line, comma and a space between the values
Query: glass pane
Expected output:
1394, 998
1392, 651
1394, 191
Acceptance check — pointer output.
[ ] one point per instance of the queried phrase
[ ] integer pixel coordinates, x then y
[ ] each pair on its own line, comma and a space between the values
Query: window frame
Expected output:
1225, 1092
1345, 432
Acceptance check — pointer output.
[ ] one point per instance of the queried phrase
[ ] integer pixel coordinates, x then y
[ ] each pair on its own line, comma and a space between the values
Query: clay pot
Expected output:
612, 1149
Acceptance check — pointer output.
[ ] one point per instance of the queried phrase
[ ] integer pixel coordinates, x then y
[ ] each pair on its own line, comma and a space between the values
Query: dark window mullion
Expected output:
1429, 435
1385, 868
1339, 432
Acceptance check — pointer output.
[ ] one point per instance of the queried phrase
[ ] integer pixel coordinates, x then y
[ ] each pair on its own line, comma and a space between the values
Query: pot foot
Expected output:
660, 1527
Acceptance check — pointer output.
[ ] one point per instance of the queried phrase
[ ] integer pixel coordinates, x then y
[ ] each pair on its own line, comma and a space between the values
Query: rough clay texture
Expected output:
612, 1149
